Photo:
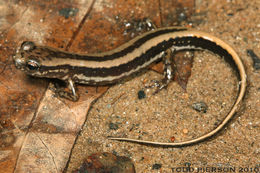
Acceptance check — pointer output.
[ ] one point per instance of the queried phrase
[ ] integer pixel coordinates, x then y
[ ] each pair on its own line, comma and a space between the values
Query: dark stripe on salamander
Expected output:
130, 48
114, 71
197, 42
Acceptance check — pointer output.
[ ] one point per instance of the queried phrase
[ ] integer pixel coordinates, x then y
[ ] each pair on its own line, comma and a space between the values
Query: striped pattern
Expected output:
111, 66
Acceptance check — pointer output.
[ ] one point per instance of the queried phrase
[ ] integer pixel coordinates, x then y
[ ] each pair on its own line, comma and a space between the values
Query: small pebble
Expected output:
172, 139
113, 126
255, 58
185, 131
157, 166
141, 94
200, 107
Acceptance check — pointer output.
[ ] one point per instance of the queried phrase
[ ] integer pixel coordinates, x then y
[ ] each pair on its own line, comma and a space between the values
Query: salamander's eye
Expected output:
27, 46
32, 65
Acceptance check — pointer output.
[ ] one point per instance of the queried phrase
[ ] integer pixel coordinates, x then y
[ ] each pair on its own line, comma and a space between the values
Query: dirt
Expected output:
169, 114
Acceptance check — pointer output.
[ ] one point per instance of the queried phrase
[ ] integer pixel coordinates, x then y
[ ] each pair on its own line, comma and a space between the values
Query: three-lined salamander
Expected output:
131, 57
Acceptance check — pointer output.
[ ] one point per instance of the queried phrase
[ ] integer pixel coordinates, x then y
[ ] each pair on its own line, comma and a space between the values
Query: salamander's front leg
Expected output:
70, 95
168, 72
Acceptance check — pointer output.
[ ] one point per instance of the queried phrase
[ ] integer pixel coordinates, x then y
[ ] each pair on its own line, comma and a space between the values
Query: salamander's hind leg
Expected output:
168, 69
168, 72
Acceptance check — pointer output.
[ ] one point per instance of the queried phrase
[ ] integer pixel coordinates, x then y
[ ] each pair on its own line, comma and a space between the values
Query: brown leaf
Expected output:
106, 162
182, 66
37, 129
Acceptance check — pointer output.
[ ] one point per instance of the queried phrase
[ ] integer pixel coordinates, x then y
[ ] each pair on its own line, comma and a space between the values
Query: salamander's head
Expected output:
36, 61
24, 62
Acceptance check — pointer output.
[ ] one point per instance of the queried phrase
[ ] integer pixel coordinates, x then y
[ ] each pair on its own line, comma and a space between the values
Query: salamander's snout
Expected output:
19, 59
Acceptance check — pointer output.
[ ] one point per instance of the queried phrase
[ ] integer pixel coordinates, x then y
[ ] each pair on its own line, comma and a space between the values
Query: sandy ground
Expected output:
169, 114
